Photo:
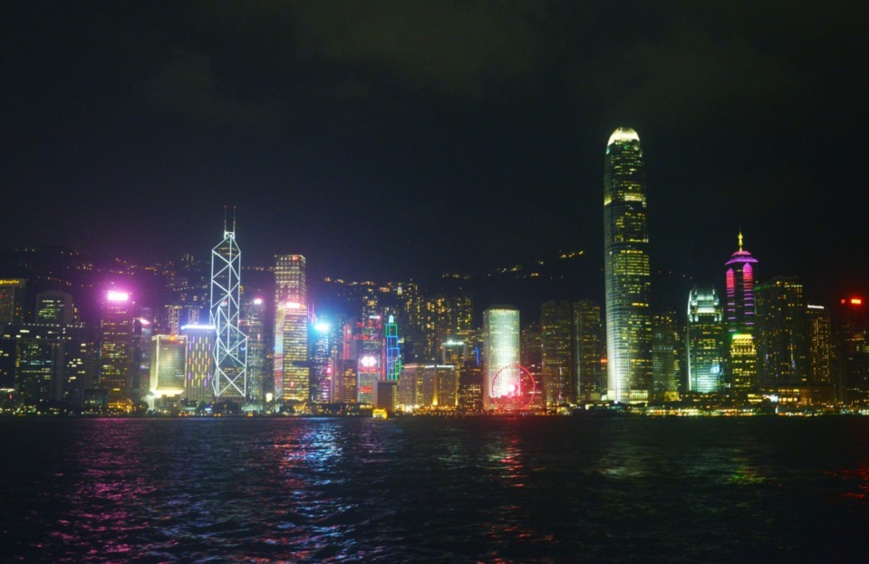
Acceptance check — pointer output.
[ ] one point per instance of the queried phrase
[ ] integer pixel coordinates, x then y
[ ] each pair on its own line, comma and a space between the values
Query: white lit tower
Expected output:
626, 270
230, 344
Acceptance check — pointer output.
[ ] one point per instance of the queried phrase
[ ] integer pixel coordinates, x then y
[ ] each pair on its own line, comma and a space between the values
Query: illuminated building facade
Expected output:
291, 369
439, 386
471, 386
556, 345
12, 300
667, 354
781, 334
852, 349
168, 365
820, 345
740, 320
253, 313
626, 270
40, 362
54, 307
200, 362
230, 344
410, 386
588, 350
501, 350
370, 355
704, 341
322, 347
116, 342
393, 352
344, 380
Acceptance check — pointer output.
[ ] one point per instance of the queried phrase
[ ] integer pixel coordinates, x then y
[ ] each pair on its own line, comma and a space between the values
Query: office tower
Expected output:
322, 345
588, 350
820, 345
410, 386
40, 362
253, 314
230, 344
740, 322
531, 356
501, 353
667, 354
386, 394
369, 353
54, 307
704, 341
173, 319
852, 349
471, 386
393, 353
439, 386
116, 342
143, 330
344, 380
781, 334
556, 361
291, 371
200, 362
626, 269
12, 300
168, 365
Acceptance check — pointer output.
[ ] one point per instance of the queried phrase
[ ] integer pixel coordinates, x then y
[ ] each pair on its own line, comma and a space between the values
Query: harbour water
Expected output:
426, 489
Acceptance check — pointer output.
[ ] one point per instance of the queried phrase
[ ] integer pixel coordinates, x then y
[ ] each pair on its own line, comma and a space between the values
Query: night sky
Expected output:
404, 139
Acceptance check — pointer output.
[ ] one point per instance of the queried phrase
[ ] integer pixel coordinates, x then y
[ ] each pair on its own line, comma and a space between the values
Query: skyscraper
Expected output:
168, 365
200, 362
557, 364
667, 354
588, 350
740, 322
253, 314
852, 349
704, 341
781, 334
291, 371
230, 344
501, 328
12, 300
116, 341
626, 269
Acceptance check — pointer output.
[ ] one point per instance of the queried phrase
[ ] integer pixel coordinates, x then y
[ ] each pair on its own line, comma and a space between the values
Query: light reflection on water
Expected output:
420, 489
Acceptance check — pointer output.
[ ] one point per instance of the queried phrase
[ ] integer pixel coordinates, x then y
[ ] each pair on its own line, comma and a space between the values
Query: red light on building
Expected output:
856, 301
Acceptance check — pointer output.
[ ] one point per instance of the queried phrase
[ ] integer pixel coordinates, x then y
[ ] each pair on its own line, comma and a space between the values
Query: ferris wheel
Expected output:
513, 388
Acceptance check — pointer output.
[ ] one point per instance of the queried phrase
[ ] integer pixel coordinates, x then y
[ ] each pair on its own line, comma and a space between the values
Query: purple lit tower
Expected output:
740, 322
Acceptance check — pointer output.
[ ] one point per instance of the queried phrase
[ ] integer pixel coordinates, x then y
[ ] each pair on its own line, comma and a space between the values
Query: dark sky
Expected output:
401, 139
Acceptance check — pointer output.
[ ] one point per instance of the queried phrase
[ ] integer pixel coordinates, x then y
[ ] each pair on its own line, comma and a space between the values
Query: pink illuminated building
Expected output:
740, 322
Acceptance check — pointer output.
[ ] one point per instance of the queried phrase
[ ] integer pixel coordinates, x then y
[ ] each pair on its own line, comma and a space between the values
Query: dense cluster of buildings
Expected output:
180, 339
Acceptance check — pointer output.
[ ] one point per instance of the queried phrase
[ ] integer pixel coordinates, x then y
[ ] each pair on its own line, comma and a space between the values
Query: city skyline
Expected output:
408, 140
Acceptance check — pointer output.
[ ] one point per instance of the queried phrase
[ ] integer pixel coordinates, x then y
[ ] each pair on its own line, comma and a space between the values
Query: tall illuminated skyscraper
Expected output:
626, 269
781, 336
556, 346
741, 339
704, 341
291, 371
230, 344
588, 350
116, 341
501, 328
253, 313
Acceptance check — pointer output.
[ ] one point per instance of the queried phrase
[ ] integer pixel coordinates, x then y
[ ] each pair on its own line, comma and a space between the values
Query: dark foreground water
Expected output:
427, 489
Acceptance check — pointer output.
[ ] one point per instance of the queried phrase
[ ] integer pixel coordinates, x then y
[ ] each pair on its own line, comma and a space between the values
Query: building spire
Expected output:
224, 218
740, 238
